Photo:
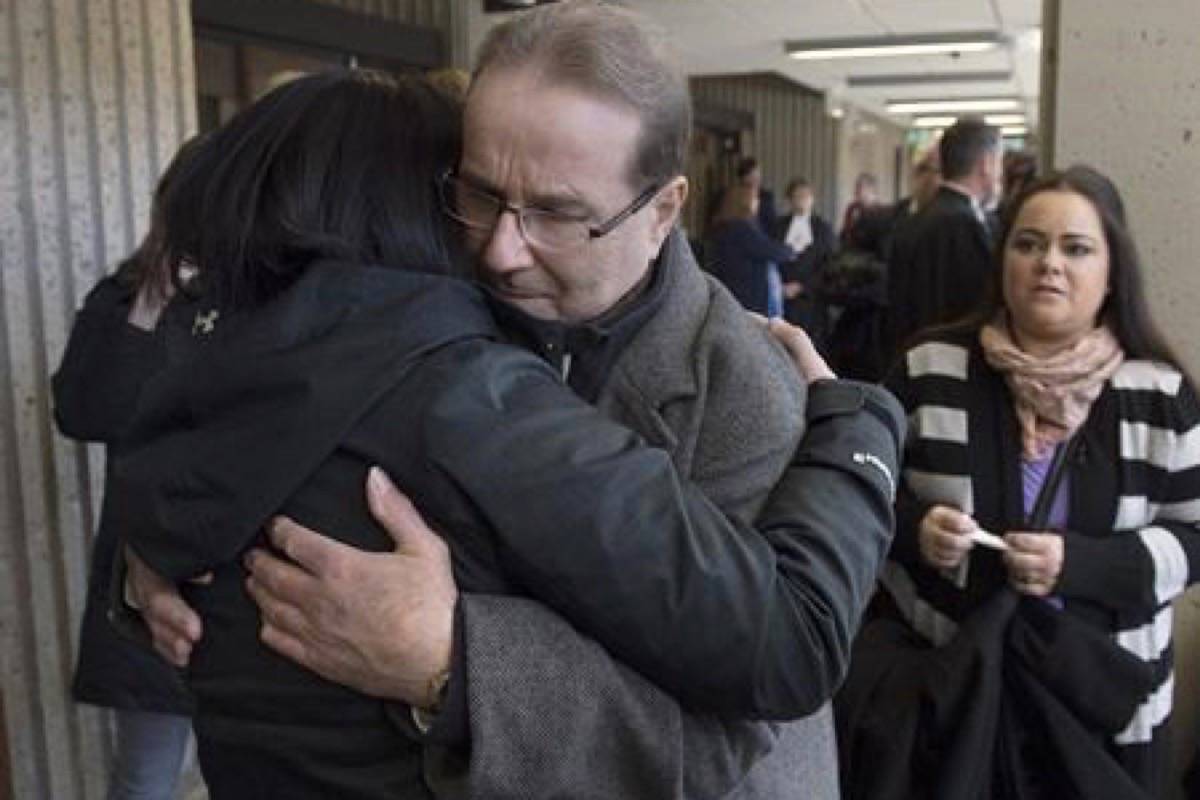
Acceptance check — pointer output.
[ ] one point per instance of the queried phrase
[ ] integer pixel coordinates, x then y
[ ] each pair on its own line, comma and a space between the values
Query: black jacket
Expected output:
940, 265
285, 409
808, 310
95, 391
1016, 707
739, 254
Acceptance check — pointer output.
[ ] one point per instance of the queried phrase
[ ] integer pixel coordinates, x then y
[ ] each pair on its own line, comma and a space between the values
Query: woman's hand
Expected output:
174, 626
943, 536
1034, 561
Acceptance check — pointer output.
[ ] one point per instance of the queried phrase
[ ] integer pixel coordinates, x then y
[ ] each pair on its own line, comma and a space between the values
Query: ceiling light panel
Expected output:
956, 105
892, 46
945, 121
934, 122
869, 81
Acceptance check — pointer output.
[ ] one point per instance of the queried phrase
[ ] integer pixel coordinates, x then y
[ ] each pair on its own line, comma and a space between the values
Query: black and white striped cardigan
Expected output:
1132, 543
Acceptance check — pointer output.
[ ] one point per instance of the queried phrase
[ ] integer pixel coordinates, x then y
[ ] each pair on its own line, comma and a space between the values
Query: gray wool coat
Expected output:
551, 714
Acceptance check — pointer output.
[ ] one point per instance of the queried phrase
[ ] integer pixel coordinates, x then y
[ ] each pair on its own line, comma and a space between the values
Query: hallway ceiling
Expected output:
739, 36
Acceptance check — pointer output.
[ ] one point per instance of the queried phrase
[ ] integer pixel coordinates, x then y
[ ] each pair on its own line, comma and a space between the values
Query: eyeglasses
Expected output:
480, 211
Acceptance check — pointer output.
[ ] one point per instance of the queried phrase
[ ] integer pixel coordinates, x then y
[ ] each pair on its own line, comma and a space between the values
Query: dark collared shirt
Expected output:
585, 352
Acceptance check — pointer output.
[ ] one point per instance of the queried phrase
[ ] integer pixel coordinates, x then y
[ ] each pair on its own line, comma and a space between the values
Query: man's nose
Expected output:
506, 251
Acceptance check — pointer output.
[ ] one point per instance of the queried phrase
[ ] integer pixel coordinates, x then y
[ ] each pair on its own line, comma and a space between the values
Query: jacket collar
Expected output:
955, 197
403, 305
587, 351
651, 360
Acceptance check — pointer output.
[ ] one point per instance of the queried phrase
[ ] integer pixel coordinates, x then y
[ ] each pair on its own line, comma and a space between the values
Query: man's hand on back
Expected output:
381, 623
804, 355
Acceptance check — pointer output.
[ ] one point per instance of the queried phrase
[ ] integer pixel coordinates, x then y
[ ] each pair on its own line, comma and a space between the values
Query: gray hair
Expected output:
612, 53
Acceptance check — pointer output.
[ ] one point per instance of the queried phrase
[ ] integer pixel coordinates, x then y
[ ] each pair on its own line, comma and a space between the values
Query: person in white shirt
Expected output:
812, 238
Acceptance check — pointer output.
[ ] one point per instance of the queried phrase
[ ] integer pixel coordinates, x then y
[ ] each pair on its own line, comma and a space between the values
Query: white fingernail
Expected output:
376, 481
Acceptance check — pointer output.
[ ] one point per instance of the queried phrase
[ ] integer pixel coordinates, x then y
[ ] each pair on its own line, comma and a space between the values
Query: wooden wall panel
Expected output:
792, 135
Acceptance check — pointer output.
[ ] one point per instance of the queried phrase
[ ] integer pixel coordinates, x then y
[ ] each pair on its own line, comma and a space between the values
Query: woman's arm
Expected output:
758, 245
1143, 569
1147, 567
106, 362
723, 617
599, 526
519, 665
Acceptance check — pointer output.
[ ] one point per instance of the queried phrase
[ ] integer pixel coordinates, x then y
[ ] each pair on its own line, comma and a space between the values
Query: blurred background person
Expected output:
1020, 170
855, 285
746, 173
743, 257
749, 174
940, 269
866, 197
812, 239
923, 184
858, 289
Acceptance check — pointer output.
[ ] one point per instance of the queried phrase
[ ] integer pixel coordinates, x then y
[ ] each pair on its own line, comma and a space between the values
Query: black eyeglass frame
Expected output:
593, 231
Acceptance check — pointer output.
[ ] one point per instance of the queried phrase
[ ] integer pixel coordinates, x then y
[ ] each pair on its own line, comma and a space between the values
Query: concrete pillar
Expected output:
5, 767
94, 99
1127, 101
1125, 98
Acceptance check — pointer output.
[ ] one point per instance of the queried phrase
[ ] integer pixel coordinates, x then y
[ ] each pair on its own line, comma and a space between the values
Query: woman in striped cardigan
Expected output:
1062, 365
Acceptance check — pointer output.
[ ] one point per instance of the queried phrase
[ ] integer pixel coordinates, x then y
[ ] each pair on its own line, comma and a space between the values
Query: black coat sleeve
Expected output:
966, 268
723, 617
1142, 570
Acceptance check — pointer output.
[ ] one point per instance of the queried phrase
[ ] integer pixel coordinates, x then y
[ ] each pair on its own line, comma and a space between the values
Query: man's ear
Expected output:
666, 208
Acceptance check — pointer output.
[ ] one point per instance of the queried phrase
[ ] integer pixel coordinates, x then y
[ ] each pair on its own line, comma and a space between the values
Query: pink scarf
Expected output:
1053, 394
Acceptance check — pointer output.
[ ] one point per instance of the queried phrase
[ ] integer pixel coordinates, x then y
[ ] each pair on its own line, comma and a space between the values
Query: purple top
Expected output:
1033, 475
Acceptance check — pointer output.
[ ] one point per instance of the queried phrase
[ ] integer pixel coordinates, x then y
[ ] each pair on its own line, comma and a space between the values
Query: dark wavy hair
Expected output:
1125, 309
144, 267
337, 165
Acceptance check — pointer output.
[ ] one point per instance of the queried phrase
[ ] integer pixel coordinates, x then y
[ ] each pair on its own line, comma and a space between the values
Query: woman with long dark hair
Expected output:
1047, 518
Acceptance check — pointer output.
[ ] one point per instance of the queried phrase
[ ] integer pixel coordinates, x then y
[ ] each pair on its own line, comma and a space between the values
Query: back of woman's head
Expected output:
338, 165
1125, 309
146, 266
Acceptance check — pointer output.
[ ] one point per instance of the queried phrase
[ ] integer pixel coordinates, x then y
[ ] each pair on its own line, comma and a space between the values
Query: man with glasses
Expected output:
567, 193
